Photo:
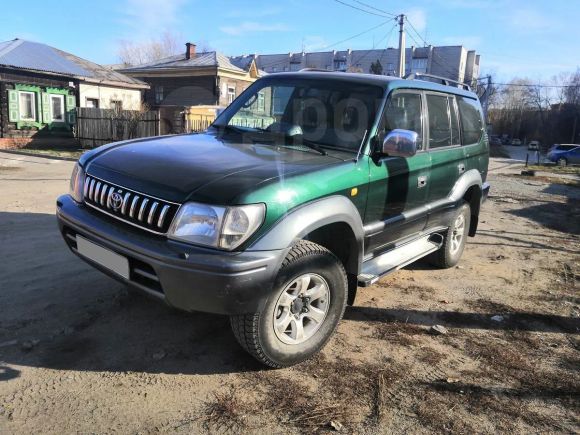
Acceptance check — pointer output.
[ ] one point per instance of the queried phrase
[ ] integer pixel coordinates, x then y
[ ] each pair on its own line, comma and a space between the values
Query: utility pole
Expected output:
401, 69
486, 101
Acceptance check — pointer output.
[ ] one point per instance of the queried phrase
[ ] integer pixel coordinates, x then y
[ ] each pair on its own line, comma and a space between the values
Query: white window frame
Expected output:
261, 101
33, 105
61, 98
87, 99
231, 94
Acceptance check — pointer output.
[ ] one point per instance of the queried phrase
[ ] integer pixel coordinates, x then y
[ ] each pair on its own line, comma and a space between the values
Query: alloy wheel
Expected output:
301, 308
458, 233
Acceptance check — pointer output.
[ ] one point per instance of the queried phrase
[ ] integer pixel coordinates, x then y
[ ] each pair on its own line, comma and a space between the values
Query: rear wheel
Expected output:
454, 240
302, 313
562, 161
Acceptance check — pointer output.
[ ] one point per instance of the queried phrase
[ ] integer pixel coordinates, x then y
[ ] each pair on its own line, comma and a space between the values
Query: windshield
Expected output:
330, 113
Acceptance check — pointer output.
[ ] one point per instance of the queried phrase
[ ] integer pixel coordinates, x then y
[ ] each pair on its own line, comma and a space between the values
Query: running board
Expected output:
397, 258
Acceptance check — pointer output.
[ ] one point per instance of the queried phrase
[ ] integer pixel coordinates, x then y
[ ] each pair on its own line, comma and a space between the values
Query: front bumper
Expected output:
186, 277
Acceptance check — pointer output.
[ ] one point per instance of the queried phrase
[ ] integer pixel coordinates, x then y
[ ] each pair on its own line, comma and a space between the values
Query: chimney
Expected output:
189, 50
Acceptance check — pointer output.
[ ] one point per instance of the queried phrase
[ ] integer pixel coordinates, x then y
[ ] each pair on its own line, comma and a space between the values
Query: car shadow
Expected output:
60, 313
511, 321
475, 390
564, 217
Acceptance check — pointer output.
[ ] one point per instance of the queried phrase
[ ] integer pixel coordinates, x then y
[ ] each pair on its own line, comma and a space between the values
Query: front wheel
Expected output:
454, 240
301, 314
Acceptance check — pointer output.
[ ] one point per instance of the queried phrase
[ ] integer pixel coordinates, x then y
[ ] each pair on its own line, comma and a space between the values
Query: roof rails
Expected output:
313, 69
444, 81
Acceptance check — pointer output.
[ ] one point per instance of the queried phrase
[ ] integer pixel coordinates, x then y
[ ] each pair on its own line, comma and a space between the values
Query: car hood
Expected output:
200, 167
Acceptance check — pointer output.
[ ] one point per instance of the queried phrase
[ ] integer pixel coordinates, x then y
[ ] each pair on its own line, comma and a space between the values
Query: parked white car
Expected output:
534, 145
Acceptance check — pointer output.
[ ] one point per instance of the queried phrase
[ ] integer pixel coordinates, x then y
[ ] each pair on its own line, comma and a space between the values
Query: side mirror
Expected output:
400, 143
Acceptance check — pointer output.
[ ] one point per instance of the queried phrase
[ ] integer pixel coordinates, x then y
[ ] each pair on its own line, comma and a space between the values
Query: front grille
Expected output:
143, 211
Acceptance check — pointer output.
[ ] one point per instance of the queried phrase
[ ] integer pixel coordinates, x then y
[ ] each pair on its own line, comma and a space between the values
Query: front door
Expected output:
398, 187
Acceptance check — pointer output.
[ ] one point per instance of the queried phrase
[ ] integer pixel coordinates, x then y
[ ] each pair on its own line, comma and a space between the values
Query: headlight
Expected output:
77, 181
220, 227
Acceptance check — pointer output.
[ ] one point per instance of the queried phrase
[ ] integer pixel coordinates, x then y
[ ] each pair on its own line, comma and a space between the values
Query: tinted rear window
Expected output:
471, 121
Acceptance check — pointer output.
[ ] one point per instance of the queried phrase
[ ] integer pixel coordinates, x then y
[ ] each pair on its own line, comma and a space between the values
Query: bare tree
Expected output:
132, 53
376, 68
573, 100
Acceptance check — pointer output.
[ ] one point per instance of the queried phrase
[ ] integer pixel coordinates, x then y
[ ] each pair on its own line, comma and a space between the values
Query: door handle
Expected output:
461, 168
421, 181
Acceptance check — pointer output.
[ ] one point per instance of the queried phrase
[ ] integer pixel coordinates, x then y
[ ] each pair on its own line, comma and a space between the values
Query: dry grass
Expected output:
404, 334
226, 411
551, 180
326, 389
489, 307
430, 356
556, 169
436, 411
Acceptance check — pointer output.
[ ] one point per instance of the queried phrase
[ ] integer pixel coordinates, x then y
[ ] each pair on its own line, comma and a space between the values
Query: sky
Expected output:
536, 39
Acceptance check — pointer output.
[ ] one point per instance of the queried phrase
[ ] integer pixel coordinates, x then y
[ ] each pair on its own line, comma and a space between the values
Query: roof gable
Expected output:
207, 59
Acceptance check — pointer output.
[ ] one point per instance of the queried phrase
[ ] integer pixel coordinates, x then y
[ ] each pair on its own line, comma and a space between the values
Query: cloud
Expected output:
467, 4
418, 18
151, 16
253, 27
314, 42
529, 20
253, 13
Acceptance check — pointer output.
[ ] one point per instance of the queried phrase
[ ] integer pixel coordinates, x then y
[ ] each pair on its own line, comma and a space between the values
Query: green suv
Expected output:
308, 186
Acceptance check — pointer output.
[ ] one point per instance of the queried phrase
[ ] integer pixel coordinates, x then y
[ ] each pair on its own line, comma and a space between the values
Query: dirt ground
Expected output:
78, 353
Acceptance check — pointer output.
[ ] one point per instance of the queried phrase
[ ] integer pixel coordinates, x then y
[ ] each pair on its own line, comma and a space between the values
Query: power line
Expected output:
360, 9
374, 8
443, 67
526, 85
280, 62
415, 30
387, 37
435, 54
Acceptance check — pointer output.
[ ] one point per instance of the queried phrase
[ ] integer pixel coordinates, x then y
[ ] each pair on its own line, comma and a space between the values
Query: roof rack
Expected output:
313, 69
444, 81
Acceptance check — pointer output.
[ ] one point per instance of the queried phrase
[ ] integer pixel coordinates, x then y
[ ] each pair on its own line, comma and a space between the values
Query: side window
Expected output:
455, 139
471, 121
439, 125
403, 111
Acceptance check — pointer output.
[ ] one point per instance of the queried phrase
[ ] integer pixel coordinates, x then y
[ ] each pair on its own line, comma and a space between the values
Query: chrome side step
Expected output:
397, 258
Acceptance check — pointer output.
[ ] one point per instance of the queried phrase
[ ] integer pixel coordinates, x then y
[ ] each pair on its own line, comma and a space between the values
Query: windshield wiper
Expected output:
313, 145
230, 128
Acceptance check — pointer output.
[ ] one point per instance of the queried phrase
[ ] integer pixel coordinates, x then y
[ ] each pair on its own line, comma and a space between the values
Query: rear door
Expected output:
396, 206
448, 161
447, 154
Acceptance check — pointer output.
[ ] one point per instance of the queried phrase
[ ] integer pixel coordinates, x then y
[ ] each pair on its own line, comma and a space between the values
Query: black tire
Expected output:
447, 256
255, 332
562, 161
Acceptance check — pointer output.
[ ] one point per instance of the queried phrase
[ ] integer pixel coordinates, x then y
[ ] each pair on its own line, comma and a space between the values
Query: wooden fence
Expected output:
197, 124
96, 127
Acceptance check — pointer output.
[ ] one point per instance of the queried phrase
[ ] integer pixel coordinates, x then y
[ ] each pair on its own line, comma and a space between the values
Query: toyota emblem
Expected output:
116, 201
